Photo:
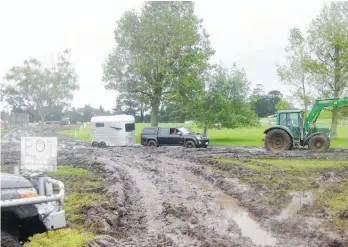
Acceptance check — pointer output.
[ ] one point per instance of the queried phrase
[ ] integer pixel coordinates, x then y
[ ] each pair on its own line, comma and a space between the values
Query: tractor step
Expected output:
296, 143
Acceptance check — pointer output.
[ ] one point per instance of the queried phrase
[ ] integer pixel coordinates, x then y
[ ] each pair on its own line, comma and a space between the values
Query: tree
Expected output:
74, 115
87, 113
225, 100
344, 112
328, 64
175, 112
132, 104
275, 96
294, 72
161, 53
258, 91
40, 90
283, 104
264, 104
101, 110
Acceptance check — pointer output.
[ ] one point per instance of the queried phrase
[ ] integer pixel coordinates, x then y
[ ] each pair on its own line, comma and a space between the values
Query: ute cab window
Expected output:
99, 125
164, 132
174, 131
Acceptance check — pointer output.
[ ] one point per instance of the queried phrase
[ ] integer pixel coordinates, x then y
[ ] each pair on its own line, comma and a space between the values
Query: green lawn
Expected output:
241, 136
5, 130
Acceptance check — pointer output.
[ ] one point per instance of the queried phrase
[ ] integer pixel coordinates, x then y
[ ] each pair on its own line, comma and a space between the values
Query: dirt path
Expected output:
164, 201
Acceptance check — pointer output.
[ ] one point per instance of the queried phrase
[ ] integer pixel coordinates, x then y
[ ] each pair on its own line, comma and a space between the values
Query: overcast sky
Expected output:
251, 33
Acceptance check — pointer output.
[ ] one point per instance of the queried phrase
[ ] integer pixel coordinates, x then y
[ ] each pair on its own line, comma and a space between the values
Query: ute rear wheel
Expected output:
152, 143
277, 140
318, 143
95, 144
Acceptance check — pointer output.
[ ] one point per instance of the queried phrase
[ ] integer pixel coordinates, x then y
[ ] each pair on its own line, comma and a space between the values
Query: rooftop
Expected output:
295, 111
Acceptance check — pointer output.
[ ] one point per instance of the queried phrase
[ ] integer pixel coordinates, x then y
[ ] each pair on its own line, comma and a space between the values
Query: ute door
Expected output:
176, 138
164, 136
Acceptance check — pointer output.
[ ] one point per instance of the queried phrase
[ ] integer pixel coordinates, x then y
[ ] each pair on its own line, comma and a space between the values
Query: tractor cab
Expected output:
292, 119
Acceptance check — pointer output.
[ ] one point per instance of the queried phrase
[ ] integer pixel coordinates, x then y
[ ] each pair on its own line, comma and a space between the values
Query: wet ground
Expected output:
166, 197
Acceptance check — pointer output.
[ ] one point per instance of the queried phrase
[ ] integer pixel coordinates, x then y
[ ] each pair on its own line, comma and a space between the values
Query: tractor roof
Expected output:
290, 111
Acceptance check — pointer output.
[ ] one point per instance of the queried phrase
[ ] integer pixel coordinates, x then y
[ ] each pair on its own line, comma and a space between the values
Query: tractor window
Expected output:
282, 119
293, 119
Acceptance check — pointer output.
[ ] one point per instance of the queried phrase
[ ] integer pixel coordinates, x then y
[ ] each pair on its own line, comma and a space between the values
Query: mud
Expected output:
166, 197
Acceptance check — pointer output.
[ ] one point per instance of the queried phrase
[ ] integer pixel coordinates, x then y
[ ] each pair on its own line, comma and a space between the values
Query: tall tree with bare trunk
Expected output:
328, 43
161, 53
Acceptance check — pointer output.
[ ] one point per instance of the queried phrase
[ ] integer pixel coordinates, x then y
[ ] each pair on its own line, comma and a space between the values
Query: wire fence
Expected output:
19, 119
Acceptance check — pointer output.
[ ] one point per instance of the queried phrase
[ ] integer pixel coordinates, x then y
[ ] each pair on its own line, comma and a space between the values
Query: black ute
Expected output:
172, 136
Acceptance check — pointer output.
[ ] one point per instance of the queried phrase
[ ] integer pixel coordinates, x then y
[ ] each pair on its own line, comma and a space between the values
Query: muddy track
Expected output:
166, 197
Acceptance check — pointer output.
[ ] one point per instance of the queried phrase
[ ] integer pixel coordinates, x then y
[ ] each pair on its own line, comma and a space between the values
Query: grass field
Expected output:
240, 137
6, 130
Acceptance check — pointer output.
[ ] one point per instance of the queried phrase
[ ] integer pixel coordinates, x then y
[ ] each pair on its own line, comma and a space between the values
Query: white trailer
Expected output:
115, 130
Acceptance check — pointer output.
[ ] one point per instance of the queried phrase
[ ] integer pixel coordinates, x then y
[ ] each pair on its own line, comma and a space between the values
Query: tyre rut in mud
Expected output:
165, 209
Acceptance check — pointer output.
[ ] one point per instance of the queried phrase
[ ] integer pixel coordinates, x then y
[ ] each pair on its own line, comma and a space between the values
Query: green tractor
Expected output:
292, 130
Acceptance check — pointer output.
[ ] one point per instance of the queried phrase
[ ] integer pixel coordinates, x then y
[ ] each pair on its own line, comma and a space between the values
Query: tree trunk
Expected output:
154, 112
334, 122
337, 89
303, 79
42, 118
304, 97
142, 116
142, 112
205, 129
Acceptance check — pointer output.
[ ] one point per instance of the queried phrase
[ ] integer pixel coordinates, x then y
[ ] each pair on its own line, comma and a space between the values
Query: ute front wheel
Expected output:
318, 143
190, 144
8, 240
278, 140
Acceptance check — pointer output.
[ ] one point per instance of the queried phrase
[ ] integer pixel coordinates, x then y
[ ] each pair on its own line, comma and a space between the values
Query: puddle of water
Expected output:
249, 227
298, 200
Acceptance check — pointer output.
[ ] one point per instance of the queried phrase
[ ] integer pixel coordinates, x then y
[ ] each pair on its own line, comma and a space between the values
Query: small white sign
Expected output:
39, 154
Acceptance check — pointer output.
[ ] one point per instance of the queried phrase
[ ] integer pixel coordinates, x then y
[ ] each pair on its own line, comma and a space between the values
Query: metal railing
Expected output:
45, 191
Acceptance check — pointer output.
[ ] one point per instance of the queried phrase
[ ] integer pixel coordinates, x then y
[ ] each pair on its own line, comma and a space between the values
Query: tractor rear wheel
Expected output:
319, 143
277, 140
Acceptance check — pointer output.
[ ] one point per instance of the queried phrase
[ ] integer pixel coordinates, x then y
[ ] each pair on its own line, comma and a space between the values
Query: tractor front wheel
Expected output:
277, 140
319, 143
